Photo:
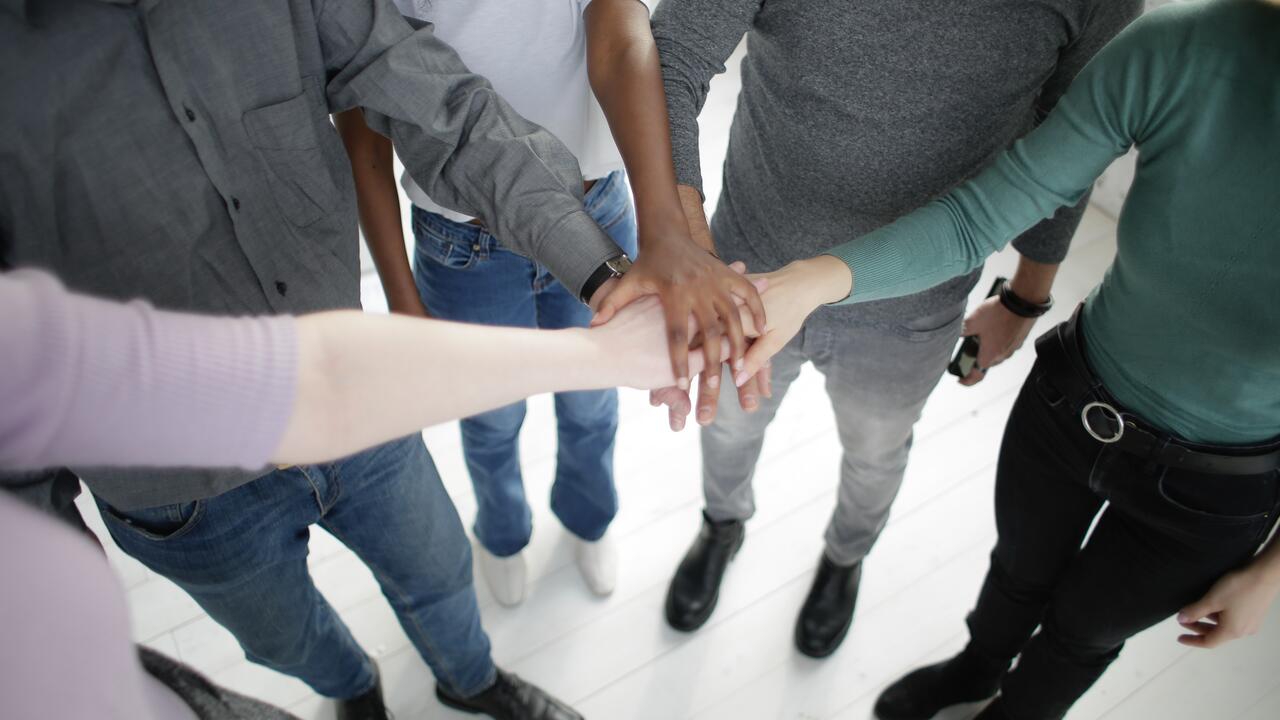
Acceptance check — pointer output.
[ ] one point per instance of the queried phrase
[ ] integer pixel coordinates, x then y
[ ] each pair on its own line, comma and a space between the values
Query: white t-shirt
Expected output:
535, 54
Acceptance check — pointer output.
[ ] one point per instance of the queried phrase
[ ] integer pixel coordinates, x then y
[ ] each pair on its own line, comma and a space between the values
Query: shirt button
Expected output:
476, 247
282, 287
235, 203
191, 114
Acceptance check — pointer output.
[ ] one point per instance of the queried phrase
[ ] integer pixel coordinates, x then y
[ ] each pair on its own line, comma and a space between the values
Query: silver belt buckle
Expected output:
1106, 409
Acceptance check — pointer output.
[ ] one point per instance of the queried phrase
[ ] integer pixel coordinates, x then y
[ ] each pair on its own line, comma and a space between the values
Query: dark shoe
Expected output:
368, 706
965, 678
695, 589
510, 698
994, 711
828, 611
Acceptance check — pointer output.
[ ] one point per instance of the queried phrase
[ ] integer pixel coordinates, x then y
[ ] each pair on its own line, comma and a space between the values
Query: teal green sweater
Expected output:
1185, 327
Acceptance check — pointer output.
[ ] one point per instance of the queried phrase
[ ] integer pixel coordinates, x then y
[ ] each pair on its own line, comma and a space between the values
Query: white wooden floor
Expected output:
617, 659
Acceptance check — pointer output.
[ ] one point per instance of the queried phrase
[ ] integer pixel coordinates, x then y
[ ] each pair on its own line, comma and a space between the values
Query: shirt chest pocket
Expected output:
284, 135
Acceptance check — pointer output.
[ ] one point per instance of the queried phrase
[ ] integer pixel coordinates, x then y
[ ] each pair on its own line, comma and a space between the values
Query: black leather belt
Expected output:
1061, 353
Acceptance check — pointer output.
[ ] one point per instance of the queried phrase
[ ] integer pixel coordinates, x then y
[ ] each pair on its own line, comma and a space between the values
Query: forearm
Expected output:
379, 204
626, 77
460, 141
694, 38
367, 379
696, 218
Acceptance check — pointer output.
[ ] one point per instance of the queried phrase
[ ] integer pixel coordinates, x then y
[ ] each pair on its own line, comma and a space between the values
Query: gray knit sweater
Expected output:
854, 113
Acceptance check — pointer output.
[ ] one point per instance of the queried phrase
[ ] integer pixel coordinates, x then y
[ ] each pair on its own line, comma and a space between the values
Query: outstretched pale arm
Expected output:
94, 382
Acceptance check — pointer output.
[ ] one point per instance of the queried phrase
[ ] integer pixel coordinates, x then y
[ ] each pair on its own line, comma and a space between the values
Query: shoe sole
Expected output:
950, 712
455, 704
704, 616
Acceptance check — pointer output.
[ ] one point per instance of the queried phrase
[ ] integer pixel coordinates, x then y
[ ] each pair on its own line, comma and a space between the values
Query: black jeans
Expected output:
1163, 541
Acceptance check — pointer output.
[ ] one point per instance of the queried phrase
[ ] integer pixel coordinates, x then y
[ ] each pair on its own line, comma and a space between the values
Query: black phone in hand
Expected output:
967, 355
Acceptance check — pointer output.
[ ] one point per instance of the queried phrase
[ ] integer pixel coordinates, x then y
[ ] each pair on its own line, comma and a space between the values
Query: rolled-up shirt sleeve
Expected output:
458, 139
85, 381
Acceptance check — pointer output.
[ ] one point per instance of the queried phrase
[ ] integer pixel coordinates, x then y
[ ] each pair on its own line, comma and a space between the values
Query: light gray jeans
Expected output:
878, 378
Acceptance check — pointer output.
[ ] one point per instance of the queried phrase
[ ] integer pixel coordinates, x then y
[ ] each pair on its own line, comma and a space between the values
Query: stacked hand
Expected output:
789, 295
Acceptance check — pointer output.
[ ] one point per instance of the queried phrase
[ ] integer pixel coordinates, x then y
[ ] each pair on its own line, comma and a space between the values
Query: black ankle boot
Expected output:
368, 706
965, 678
510, 698
828, 610
695, 589
994, 711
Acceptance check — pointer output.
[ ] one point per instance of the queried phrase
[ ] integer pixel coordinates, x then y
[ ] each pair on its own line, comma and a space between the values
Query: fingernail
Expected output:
713, 381
1184, 618
678, 425
682, 383
740, 378
704, 417
749, 404
737, 364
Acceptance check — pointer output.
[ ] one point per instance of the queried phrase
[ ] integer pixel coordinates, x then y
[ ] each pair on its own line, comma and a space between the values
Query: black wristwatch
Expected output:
614, 267
1021, 306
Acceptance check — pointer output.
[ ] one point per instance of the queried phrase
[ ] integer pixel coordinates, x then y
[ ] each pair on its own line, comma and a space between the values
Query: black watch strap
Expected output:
1020, 306
594, 281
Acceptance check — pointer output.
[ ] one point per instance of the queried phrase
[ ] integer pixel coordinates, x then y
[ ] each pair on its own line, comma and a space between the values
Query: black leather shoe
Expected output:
368, 706
994, 711
510, 698
828, 611
921, 694
695, 589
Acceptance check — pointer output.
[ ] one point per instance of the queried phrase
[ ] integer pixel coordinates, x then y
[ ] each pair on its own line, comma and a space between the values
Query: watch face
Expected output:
619, 265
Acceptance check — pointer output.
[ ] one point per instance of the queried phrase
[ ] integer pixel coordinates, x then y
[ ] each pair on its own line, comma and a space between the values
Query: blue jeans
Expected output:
463, 273
243, 556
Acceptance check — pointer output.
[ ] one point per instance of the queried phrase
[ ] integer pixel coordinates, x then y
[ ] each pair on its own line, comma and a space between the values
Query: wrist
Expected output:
601, 293
1267, 568
1033, 281
827, 279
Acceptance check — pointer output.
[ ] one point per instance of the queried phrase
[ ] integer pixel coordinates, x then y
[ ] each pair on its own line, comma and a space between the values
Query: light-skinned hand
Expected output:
1234, 607
1000, 334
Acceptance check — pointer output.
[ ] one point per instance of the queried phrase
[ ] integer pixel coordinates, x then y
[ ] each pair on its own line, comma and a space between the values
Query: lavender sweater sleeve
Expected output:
90, 382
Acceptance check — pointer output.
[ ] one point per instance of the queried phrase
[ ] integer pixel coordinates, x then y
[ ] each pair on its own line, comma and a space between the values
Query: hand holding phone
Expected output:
966, 357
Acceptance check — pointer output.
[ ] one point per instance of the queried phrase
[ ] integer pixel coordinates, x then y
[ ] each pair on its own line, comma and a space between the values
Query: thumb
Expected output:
756, 358
739, 267
621, 296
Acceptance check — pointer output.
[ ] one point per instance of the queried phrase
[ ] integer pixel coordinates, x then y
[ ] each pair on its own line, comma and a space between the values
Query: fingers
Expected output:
749, 395
677, 402
765, 379
975, 376
733, 329
757, 356
620, 297
1196, 611
708, 394
677, 316
739, 267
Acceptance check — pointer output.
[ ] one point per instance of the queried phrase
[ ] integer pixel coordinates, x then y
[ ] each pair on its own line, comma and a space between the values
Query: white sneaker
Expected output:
598, 563
505, 575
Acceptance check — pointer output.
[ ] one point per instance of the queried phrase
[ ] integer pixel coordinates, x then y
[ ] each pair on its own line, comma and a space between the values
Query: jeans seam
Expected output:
389, 585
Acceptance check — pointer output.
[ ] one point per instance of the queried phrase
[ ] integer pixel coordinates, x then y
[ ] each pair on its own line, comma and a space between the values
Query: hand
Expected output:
677, 399
791, 295
689, 280
1000, 333
1235, 607
635, 341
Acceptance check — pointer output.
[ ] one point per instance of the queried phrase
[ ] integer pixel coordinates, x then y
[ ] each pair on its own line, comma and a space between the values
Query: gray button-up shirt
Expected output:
182, 152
